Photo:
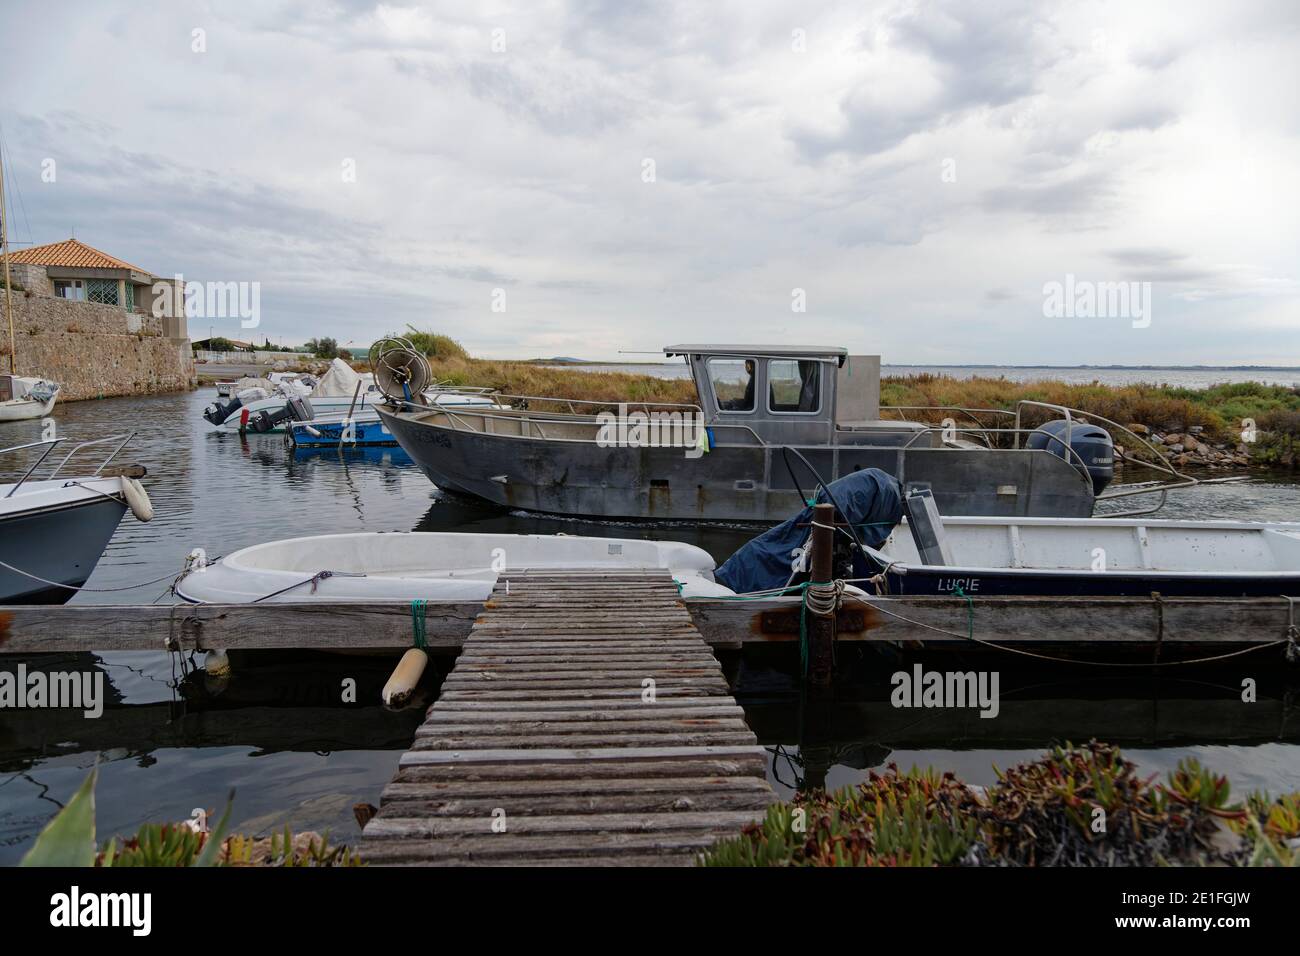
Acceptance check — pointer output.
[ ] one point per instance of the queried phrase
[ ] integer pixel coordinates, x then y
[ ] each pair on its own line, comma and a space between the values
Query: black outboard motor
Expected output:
1091, 443
217, 413
296, 409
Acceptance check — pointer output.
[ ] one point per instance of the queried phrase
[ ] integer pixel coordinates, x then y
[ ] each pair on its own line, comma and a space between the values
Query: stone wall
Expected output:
97, 351
29, 277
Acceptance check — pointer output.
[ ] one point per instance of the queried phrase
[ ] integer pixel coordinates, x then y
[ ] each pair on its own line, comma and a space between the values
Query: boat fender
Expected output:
138, 499
217, 663
406, 676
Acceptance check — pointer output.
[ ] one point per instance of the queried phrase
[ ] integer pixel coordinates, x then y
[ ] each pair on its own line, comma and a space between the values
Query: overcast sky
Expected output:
919, 170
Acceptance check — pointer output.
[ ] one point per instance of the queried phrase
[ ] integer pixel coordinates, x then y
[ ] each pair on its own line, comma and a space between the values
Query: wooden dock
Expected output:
585, 722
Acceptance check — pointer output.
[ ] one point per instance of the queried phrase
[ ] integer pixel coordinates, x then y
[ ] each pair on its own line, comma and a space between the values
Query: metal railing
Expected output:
49, 445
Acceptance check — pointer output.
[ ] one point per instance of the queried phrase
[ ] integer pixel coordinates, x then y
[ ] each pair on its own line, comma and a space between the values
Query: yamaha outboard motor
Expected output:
296, 409
1091, 443
217, 413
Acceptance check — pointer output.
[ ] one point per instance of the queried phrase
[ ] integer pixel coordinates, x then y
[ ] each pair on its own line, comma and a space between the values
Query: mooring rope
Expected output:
314, 580
418, 623
73, 587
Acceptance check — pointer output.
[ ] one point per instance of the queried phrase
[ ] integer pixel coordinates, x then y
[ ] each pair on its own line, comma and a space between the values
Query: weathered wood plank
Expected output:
402, 790
384, 827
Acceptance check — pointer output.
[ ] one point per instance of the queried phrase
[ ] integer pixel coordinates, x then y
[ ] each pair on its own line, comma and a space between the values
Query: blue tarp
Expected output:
873, 501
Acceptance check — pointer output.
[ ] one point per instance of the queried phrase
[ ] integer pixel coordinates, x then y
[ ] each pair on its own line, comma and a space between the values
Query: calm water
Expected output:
277, 733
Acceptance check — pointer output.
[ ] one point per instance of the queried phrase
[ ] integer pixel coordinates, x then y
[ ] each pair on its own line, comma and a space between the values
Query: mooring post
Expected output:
821, 620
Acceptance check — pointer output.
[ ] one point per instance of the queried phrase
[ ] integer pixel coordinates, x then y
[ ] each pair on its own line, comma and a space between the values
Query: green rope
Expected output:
970, 611
417, 622
803, 621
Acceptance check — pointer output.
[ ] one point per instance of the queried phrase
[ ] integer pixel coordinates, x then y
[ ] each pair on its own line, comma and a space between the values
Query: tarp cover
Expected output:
339, 382
873, 502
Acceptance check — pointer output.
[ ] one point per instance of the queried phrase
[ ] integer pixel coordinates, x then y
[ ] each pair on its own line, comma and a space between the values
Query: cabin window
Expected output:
794, 386
733, 384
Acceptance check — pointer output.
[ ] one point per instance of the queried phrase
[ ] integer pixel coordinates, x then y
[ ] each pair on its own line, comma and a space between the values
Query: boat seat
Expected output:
927, 528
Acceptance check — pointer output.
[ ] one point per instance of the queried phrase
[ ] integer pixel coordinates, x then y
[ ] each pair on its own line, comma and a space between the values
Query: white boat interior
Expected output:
437, 566
1125, 544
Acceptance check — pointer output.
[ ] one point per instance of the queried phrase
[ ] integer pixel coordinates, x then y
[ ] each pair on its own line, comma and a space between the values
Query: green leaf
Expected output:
216, 837
69, 839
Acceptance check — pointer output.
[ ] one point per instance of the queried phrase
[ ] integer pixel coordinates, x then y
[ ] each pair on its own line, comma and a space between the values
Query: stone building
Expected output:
72, 303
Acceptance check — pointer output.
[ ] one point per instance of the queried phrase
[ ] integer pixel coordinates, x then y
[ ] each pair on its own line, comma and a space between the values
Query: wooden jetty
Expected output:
585, 722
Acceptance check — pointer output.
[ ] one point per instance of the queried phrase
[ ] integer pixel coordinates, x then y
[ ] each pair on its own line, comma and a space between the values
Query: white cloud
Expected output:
1111, 141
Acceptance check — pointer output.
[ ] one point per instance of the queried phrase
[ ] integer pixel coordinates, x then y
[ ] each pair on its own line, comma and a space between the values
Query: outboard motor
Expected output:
217, 413
1091, 443
296, 409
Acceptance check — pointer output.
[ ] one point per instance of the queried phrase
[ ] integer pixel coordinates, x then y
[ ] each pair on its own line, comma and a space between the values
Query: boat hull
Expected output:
728, 483
370, 433
22, 409
61, 544
977, 583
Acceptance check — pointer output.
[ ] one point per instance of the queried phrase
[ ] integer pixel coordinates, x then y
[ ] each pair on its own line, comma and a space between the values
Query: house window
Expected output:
794, 386
102, 290
69, 289
733, 384
130, 297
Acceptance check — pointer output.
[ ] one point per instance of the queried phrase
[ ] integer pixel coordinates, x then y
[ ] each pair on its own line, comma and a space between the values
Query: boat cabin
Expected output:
794, 394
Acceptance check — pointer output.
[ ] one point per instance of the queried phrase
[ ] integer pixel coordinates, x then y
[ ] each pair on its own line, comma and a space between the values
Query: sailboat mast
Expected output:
4, 254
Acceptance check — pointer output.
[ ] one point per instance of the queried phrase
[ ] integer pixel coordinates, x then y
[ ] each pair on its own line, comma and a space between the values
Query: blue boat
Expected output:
360, 431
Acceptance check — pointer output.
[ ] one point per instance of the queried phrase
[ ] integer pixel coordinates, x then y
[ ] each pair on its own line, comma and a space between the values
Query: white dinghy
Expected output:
23, 398
426, 565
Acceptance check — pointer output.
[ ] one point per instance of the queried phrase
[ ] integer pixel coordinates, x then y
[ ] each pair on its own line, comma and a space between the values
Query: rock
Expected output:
1173, 438
1119, 452
1202, 450
280, 366
1137, 429
1241, 460
1176, 449
1196, 429
1242, 449
1182, 460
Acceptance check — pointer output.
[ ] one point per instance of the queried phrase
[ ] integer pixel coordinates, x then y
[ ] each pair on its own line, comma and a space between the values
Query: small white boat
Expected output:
53, 531
22, 398
431, 566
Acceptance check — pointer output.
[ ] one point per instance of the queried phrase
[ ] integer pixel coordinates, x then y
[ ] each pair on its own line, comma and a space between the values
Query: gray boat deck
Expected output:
544, 747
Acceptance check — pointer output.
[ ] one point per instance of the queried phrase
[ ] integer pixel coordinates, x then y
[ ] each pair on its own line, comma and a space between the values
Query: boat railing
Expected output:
971, 413
49, 444
1159, 462
536, 420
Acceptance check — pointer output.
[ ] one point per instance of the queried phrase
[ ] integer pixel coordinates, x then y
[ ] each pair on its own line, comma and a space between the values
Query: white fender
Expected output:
137, 498
405, 677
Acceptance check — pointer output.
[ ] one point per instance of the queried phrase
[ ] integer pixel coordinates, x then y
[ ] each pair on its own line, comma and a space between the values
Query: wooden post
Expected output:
821, 626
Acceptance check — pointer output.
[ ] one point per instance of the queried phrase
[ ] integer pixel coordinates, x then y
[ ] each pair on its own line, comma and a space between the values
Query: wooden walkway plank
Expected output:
586, 722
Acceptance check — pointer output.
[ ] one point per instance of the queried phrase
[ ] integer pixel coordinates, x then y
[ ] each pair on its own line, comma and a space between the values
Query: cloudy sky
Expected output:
630, 175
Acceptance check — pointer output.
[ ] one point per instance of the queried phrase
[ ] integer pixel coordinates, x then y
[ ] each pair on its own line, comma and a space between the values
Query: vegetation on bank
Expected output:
1075, 806
69, 840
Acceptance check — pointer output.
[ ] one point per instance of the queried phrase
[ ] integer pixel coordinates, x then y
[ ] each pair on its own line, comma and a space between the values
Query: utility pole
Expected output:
4, 253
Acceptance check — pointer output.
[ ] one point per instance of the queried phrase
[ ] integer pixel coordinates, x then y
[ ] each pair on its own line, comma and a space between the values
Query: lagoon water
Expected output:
278, 734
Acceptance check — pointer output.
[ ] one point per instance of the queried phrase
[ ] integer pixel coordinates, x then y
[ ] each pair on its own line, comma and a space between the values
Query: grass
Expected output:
1075, 806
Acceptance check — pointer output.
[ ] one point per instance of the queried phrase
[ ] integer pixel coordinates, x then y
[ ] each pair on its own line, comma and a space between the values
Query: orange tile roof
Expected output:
70, 253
